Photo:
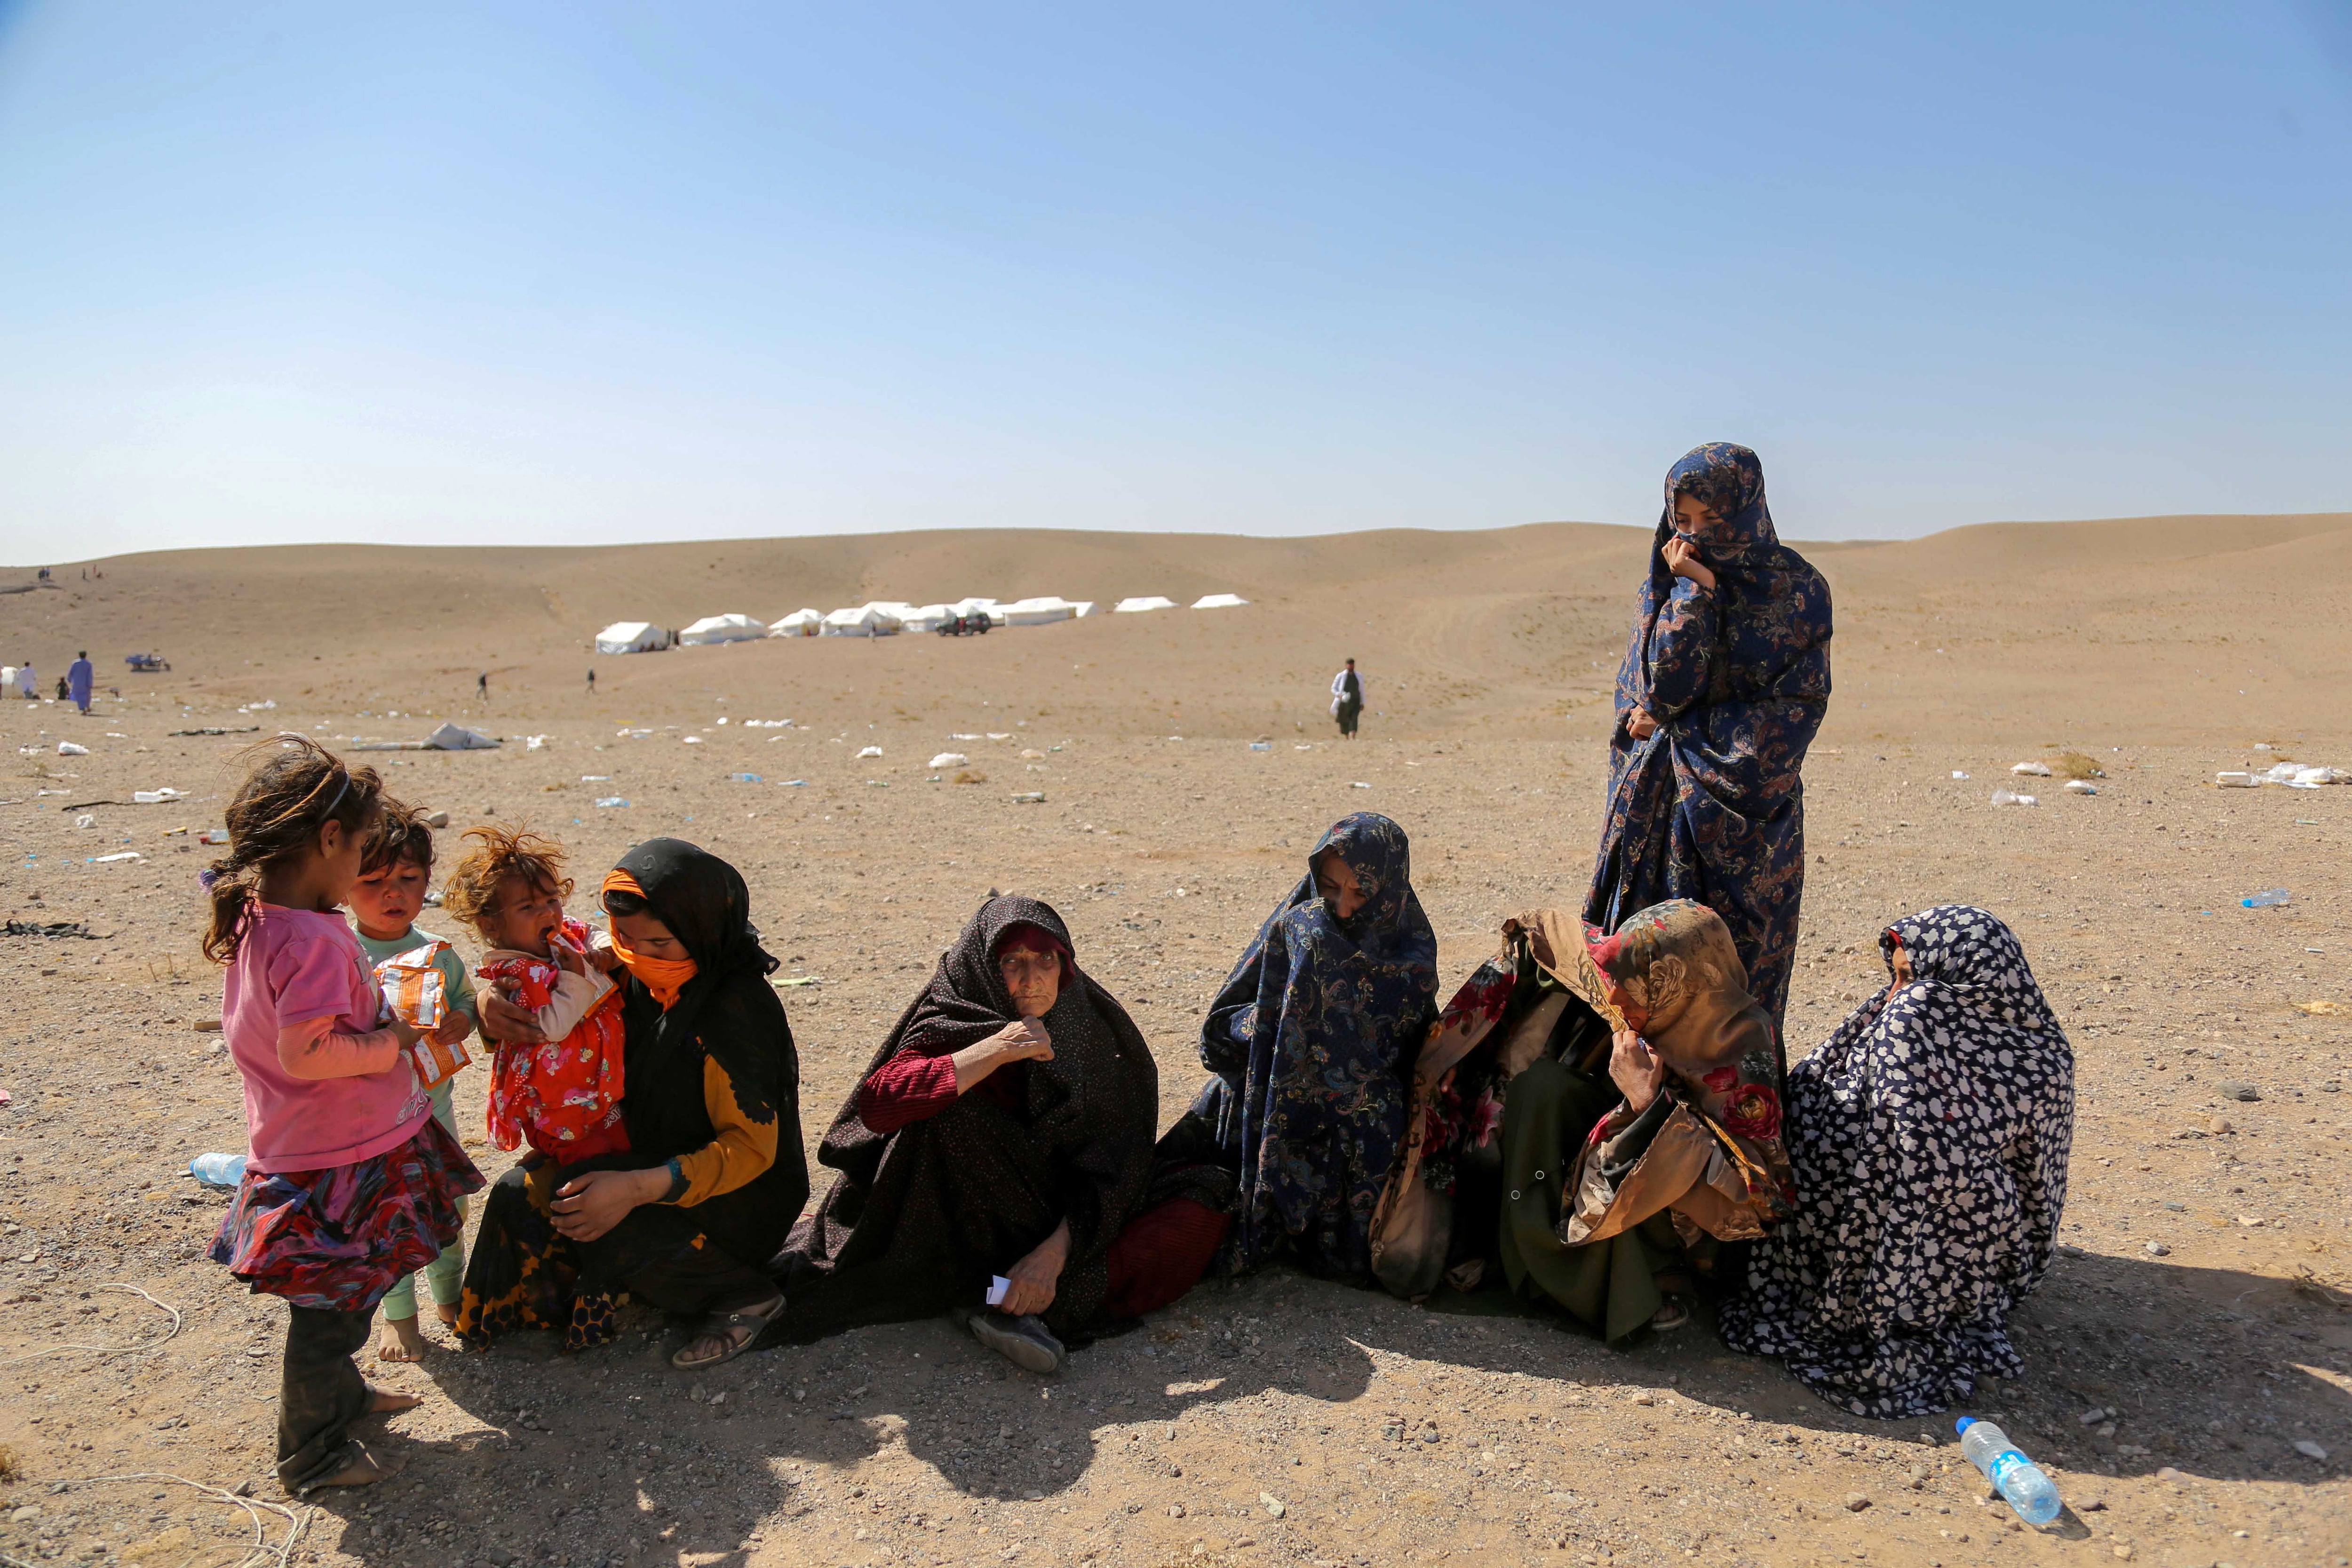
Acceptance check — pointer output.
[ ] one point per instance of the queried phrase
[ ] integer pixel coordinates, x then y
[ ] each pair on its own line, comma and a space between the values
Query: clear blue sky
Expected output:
528, 273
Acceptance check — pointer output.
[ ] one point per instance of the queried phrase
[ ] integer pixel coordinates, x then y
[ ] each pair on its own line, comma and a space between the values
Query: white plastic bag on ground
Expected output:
67, 749
2006, 797
2032, 770
2233, 781
951, 760
871, 751
2081, 786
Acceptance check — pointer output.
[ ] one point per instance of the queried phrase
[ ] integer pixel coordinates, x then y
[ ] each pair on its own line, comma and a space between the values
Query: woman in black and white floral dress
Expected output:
1930, 1136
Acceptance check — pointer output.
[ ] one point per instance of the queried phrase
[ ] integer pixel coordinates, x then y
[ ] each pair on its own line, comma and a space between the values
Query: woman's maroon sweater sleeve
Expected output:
907, 1089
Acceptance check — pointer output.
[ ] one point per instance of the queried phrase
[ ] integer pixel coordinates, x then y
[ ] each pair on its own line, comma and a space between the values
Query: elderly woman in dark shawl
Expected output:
1724, 684
995, 1158
1930, 1136
1309, 1041
687, 1219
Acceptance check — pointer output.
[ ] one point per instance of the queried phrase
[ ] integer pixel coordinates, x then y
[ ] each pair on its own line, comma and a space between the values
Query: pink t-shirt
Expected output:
293, 965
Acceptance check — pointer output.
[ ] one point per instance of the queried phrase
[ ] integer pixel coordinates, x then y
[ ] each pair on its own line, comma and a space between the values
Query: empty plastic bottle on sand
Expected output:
217, 1170
2269, 897
2028, 1488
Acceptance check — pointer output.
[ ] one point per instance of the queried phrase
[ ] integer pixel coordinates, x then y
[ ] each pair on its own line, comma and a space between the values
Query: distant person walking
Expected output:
27, 683
79, 678
1724, 683
482, 685
1347, 699
592, 680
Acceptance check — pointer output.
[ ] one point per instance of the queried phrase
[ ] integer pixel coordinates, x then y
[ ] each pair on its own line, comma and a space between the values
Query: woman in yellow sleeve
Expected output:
715, 1174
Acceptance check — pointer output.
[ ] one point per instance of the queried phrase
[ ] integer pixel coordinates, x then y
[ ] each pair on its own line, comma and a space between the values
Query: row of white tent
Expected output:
879, 617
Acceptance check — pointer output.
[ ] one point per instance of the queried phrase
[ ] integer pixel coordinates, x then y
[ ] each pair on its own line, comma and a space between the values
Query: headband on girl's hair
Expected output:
339, 793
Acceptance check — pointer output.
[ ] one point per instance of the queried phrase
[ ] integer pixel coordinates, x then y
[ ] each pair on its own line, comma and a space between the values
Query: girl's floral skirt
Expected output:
338, 1240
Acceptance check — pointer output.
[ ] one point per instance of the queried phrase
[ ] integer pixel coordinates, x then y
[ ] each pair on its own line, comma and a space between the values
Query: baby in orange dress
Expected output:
563, 1096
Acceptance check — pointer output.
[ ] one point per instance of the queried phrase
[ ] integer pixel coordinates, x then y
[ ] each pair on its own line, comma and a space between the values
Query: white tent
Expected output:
1082, 608
864, 621
631, 637
988, 607
722, 628
926, 617
1136, 607
1219, 602
458, 738
1038, 612
799, 624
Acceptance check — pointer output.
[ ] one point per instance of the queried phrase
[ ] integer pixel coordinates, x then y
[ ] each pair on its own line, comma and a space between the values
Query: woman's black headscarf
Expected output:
727, 1013
918, 1217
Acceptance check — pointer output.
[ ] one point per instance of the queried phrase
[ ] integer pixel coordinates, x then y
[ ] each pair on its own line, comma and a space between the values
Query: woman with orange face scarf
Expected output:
715, 1173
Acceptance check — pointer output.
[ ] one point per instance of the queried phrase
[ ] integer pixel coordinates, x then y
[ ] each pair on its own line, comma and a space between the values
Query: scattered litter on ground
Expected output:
213, 836
612, 800
68, 749
2230, 780
747, 778
436, 819
950, 760
693, 740
217, 1170
793, 784
2030, 770
215, 730
1031, 754
1359, 783
539, 742
2269, 897
1030, 797
115, 859
2081, 786
1261, 745
871, 751
798, 980
156, 796
84, 820
2010, 797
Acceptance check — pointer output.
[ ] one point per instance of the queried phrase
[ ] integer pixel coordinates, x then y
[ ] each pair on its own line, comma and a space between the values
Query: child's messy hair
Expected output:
472, 891
295, 788
401, 834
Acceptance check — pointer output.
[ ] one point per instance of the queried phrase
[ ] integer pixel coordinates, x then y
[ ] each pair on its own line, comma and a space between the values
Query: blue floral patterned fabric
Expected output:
1311, 1040
1711, 807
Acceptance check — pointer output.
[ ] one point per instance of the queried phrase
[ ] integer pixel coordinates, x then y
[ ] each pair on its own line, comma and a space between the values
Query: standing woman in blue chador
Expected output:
1724, 683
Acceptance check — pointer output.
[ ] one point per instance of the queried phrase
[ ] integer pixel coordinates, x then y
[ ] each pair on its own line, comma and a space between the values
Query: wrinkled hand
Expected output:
1637, 1070
594, 1202
1640, 725
1036, 1278
505, 1021
1022, 1040
1682, 560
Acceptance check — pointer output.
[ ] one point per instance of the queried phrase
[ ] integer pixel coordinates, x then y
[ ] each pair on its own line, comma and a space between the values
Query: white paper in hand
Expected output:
997, 1287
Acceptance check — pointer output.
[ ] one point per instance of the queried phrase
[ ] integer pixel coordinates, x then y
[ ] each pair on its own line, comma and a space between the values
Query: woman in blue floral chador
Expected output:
1311, 1040
1724, 684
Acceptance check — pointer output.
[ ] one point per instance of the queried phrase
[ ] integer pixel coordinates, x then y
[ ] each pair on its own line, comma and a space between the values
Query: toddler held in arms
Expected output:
424, 986
562, 1097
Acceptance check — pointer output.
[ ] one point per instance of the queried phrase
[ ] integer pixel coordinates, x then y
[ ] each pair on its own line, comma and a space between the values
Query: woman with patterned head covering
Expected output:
1002, 1132
1724, 683
1930, 1136
1309, 1041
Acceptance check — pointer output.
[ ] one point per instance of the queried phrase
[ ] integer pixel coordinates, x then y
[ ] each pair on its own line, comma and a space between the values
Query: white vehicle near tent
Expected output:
1038, 612
864, 621
1219, 602
1138, 606
632, 637
722, 628
799, 624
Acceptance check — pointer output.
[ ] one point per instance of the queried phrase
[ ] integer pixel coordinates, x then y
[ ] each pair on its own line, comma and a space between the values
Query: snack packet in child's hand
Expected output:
414, 991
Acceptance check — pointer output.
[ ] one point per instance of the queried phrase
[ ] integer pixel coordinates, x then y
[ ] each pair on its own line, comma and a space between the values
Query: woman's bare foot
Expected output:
366, 1469
391, 1401
402, 1339
446, 1313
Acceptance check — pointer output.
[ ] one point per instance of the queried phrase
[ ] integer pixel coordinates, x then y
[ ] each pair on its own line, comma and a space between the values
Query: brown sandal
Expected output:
735, 1331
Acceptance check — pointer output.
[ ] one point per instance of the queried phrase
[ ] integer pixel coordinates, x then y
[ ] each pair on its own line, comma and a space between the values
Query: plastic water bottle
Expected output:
2028, 1488
218, 1169
2269, 897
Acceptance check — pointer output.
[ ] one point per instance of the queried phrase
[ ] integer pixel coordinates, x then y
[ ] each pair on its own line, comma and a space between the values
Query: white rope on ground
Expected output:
157, 1344
256, 1510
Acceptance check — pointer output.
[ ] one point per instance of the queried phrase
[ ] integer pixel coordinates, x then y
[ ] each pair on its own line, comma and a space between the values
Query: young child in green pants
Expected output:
424, 980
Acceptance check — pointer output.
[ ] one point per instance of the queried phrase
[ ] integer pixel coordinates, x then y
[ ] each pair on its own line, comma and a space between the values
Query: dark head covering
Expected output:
1309, 1039
918, 1217
1930, 1134
1711, 807
727, 1014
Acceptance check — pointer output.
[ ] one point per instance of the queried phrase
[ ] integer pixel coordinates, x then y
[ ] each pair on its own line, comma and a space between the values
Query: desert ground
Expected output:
2189, 1357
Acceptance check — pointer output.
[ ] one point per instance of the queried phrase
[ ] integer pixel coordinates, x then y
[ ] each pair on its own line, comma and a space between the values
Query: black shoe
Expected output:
1023, 1340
